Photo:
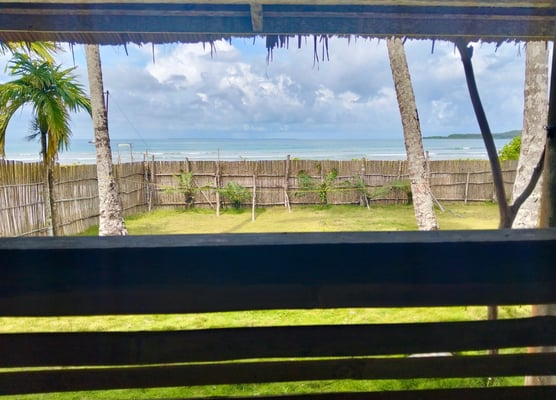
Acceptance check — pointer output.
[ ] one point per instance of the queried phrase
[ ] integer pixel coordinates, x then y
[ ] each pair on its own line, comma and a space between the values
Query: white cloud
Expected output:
189, 88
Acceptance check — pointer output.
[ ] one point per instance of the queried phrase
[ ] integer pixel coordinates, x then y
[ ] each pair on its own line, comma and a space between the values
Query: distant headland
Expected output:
502, 135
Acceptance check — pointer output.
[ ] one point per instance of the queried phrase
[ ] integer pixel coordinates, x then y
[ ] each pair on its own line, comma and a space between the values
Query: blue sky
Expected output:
234, 92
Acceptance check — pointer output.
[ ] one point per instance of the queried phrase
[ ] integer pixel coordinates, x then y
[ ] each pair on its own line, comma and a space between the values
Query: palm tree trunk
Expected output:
111, 222
422, 199
533, 138
548, 202
48, 190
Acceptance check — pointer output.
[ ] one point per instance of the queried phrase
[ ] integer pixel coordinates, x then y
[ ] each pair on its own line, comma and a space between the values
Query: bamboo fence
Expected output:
153, 184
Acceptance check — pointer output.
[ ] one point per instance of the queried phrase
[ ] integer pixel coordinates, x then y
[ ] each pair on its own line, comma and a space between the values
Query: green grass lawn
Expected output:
306, 219
278, 219
260, 318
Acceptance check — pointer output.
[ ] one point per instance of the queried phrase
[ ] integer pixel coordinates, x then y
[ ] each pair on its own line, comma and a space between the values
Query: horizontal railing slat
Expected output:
204, 298
132, 348
60, 380
198, 273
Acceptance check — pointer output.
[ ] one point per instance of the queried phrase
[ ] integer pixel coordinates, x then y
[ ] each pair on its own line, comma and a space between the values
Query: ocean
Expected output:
83, 151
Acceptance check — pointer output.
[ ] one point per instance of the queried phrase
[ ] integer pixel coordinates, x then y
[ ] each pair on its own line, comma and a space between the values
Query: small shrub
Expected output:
307, 184
235, 194
403, 185
511, 150
185, 187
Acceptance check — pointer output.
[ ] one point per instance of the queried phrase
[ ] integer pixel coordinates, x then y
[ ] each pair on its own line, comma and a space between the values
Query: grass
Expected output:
260, 318
306, 219
278, 219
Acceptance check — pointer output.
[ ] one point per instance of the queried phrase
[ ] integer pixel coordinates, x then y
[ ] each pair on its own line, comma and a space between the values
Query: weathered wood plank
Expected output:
427, 3
57, 380
194, 273
83, 22
133, 348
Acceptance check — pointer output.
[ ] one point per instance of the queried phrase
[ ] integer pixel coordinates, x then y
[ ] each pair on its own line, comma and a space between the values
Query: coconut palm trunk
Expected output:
533, 140
533, 137
420, 188
111, 222
548, 204
48, 188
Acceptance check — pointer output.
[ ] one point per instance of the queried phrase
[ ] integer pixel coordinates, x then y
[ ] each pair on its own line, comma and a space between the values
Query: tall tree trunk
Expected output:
111, 222
533, 137
507, 212
548, 203
47, 192
420, 188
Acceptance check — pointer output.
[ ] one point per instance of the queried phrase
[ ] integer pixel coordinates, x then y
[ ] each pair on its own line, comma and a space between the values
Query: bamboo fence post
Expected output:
217, 186
254, 199
152, 184
398, 178
286, 184
465, 196
362, 174
146, 180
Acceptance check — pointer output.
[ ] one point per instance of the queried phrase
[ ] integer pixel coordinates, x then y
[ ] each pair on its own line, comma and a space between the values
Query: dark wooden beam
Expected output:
197, 273
58, 380
173, 21
139, 348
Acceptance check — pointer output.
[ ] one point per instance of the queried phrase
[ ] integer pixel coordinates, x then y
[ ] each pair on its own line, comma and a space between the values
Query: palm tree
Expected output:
420, 187
111, 221
43, 50
52, 92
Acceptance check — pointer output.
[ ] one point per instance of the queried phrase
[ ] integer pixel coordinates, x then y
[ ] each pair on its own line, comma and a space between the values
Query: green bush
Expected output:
511, 150
307, 184
235, 194
186, 187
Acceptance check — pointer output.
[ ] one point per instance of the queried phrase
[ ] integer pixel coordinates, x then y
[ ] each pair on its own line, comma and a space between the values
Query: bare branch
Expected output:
466, 54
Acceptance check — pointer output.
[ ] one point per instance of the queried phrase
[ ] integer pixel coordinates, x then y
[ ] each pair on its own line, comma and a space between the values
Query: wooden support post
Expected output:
398, 178
153, 196
146, 180
466, 187
254, 198
286, 185
217, 186
363, 182
257, 17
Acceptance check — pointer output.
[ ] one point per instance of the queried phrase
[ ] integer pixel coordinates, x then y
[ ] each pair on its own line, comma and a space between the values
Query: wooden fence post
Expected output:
286, 184
152, 188
465, 196
362, 174
217, 186
254, 198
398, 178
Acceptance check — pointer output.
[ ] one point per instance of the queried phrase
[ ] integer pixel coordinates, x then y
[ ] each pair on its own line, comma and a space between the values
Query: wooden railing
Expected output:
192, 274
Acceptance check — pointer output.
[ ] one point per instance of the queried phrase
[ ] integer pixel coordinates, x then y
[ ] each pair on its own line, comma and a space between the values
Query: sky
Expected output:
234, 91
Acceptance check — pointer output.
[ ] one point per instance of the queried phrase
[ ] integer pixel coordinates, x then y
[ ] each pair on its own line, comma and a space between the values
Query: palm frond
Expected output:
51, 91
